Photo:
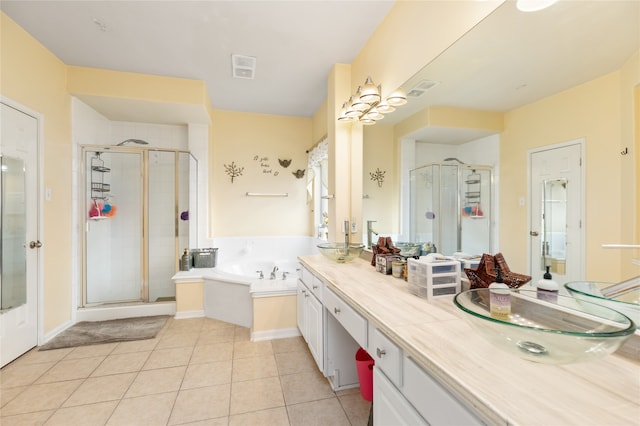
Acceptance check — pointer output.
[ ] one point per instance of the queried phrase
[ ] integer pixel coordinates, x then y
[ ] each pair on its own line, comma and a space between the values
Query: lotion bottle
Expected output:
547, 288
499, 298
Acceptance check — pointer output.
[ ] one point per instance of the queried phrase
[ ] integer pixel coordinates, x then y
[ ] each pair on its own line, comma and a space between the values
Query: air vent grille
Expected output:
420, 88
243, 66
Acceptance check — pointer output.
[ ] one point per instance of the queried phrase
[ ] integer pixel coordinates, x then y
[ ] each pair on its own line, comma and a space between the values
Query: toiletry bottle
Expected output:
185, 261
547, 288
499, 298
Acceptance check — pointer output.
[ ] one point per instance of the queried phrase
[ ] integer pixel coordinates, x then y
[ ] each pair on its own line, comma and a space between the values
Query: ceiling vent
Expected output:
243, 66
421, 88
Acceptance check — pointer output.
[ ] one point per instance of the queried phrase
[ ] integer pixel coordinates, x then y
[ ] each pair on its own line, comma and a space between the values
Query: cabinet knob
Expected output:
380, 352
336, 310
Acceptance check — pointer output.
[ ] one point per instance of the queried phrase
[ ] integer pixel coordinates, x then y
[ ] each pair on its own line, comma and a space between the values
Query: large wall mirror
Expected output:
508, 60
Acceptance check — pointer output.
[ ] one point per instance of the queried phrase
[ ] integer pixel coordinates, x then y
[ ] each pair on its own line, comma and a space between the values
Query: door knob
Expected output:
35, 244
533, 233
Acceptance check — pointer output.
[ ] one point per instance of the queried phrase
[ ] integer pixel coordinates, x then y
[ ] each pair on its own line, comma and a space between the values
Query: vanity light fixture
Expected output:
367, 106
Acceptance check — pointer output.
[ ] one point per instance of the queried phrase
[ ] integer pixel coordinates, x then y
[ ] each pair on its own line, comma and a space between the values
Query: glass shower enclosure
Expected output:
139, 209
450, 207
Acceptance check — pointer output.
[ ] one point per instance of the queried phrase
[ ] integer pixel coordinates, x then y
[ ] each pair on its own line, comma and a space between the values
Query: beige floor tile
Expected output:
295, 362
255, 395
71, 369
30, 419
8, 394
291, 344
156, 381
47, 396
220, 421
251, 349
186, 325
121, 363
271, 417
318, 413
36, 356
254, 368
147, 410
209, 374
221, 335
214, 324
164, 358
135, 346
179, 340
15, 375
212, 352
242, 334
356, 408
83, 415
91, 351
200, 404
101, 389
349, 391
304, 387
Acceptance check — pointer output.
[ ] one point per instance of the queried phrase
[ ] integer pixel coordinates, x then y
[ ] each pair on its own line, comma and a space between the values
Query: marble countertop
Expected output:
499, 387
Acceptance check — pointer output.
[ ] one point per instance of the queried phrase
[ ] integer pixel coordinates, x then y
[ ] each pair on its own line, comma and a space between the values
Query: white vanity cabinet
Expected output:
310, 315
390, 408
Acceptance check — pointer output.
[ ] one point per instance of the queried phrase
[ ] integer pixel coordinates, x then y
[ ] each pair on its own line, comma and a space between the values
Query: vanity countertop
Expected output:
499, 387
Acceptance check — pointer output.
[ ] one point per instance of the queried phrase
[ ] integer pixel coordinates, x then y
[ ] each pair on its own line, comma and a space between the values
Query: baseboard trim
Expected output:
189, 314
53, 333
280, 333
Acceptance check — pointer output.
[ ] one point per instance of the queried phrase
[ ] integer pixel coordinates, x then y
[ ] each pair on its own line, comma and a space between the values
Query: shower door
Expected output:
114, 258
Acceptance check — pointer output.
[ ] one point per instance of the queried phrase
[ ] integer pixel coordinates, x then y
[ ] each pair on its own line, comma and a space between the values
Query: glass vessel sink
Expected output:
628, 303
340, 252
560, 332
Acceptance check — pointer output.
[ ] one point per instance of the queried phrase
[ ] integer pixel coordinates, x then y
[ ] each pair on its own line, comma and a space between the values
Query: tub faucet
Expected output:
284, 275
273, 273
261, 275
370, 232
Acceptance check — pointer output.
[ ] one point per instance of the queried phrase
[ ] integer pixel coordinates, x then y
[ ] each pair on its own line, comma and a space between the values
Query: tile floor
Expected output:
196, 371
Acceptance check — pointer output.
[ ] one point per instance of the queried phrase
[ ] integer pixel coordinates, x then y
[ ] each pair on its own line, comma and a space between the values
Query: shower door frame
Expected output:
144, 237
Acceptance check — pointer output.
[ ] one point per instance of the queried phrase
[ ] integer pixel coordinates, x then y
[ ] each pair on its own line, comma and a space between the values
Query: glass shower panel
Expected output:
425, 199
162, 225
13, 215
475, 222
113, 248
447, 241
193, 200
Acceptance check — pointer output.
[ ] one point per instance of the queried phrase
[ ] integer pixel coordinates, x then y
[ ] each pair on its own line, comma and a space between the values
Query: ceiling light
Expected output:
366, 105
533, 5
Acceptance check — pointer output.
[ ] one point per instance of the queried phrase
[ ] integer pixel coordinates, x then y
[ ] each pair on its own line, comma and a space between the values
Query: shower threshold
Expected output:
125, 310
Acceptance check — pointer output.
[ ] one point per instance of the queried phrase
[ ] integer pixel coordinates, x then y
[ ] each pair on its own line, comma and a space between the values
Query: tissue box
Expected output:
384, 263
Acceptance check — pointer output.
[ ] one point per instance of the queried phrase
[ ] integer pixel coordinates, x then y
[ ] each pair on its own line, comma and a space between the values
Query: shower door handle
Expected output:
35, 244
533, 233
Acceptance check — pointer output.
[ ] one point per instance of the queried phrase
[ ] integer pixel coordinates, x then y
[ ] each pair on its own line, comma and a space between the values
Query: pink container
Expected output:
364, 362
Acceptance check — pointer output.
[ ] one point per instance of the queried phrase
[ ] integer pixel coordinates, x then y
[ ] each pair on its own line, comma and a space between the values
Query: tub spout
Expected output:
273, 273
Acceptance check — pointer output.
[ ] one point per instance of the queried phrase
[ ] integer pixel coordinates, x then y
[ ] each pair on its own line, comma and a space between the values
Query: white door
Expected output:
19, 244
556, 234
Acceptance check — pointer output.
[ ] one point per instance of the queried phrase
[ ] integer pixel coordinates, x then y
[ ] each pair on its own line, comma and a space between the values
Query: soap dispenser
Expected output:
185, 260
547, 288
499, 297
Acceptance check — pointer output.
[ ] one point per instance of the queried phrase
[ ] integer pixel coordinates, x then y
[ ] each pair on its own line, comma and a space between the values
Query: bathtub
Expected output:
231, 288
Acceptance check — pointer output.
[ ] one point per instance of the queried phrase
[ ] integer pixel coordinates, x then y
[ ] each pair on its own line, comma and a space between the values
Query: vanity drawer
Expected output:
353, 322
432, 401
306, 276
388, 357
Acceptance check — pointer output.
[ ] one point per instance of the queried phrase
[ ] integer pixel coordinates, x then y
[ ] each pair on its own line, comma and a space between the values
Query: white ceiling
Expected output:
508, 60
295, 42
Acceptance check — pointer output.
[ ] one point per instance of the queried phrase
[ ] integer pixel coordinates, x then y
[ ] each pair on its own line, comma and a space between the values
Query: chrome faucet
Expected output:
261, 275
370, 232
284, 275
273, 273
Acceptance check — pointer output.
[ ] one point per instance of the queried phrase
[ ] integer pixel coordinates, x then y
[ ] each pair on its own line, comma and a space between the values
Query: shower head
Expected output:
138, 141
453, 159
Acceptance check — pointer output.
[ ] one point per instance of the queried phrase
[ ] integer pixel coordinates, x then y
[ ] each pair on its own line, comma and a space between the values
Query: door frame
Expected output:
581, 142
40, 203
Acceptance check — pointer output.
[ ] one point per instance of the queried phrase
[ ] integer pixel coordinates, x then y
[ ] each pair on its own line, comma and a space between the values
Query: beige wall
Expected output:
274, 313
242, 139
33, 77
190, 296
593, 111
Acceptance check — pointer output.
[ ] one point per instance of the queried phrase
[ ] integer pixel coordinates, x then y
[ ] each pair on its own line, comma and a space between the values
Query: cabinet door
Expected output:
301, 310
315, 330
390, 408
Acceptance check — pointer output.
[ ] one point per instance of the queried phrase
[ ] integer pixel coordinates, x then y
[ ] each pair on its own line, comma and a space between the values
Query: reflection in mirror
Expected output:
554, 225
318, 188
13, 216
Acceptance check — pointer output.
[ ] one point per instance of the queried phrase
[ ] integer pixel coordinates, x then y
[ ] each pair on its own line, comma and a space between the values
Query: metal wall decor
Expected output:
284, 163
377, 176
233, 170
299, 174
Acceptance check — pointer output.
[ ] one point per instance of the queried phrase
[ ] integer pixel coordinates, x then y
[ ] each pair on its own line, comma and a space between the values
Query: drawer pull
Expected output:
303, 291
336, 310
315, 287
380, 352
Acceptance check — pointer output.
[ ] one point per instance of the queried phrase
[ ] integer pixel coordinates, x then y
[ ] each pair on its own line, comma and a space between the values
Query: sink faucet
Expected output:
370, 232
273, 273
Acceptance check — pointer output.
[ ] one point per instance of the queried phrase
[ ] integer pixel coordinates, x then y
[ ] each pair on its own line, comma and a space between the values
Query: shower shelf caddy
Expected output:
99, 189
472, 195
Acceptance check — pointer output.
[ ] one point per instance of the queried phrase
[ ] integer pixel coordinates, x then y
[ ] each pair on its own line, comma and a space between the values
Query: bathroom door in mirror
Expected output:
556, 209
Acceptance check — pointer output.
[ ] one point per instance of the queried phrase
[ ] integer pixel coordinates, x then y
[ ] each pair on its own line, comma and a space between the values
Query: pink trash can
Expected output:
365, 363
